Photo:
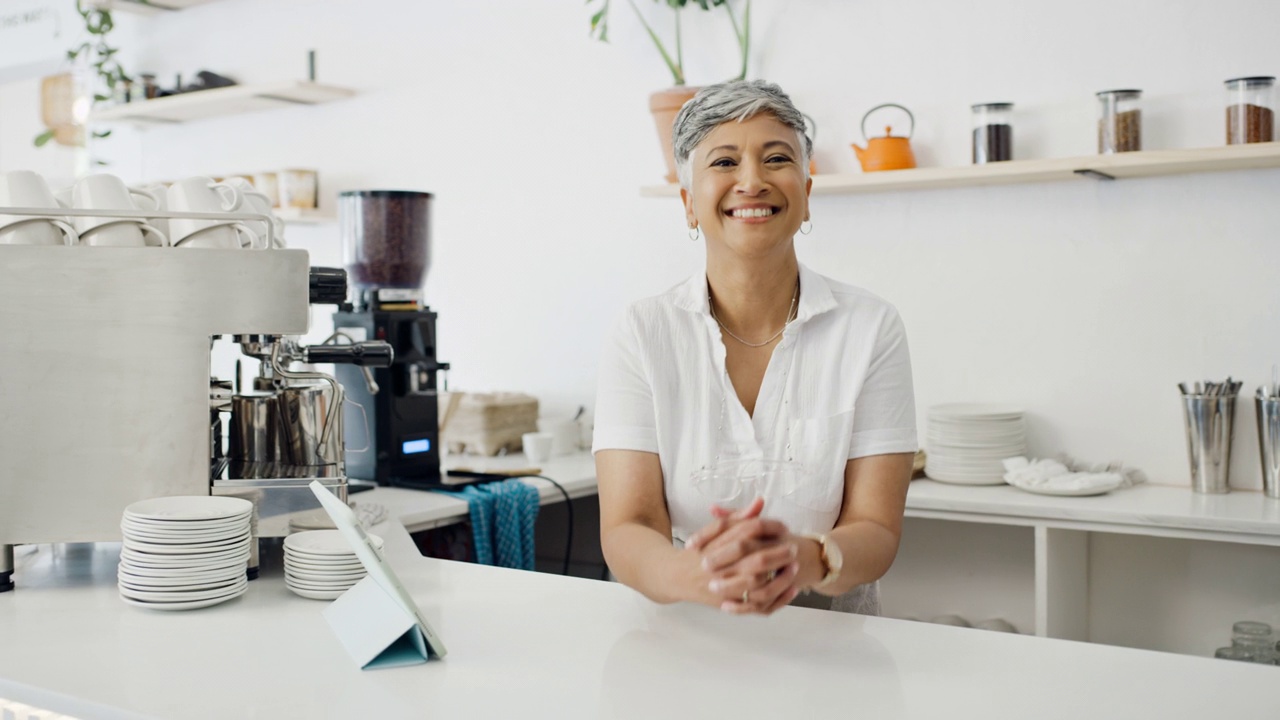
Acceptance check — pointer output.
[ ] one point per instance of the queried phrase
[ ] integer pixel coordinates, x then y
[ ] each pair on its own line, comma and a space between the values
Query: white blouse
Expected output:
838, 386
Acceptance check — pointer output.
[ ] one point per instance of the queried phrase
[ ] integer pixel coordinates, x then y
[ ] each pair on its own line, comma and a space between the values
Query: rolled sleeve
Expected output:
625, 415
885, 417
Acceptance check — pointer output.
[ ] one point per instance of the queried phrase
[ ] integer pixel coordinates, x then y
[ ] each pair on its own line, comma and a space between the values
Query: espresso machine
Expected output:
386, 244
106, 396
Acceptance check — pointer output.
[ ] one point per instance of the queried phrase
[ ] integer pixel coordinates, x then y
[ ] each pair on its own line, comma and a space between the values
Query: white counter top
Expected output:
524, 645
423, 510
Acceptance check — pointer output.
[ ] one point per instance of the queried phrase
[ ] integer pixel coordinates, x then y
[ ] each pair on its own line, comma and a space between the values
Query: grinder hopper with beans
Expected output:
386, 239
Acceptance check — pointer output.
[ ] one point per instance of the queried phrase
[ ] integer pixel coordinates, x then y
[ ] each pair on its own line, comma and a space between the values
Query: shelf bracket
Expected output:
1095, 174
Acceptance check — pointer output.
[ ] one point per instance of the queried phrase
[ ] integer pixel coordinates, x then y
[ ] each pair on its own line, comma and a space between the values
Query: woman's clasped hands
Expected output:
750, 563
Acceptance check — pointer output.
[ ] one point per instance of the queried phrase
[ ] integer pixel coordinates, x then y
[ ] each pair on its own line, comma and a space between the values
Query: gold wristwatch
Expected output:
832, 559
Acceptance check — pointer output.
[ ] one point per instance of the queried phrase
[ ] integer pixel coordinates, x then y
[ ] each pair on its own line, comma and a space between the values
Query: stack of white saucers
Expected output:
320, 564
182, 553
967, 442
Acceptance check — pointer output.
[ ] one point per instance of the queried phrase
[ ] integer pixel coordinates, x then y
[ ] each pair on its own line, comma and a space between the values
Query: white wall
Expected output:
1085, 302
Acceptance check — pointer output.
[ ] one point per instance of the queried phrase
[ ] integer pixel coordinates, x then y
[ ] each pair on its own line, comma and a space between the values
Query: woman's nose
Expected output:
750, 179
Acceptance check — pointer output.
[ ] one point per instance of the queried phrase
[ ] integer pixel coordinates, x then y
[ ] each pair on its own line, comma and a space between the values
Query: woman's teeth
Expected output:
752, 212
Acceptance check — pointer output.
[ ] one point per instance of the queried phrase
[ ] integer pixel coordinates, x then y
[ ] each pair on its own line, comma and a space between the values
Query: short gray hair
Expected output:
734, 100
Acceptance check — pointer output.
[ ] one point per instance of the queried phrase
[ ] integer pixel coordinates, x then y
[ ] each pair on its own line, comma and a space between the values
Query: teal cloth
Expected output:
502, 518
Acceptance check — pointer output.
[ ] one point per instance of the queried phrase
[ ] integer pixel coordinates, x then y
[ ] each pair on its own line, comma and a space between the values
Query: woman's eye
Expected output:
779, 159
722, 162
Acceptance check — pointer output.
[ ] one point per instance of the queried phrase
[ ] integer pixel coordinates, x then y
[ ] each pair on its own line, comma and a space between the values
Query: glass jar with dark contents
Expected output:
1250, 114
386, 237
992, 132
1119, 121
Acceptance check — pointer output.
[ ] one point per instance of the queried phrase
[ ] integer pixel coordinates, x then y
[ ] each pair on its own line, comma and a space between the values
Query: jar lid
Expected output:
1122, 94
993, 106
383, 193
1252, 80
1251, 627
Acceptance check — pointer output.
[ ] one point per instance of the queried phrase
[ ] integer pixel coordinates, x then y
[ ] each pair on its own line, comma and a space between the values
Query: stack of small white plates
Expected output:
967, 442
182, 553
319, 564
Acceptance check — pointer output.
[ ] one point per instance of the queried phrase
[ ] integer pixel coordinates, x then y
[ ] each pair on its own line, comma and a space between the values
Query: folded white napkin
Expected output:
1065, 475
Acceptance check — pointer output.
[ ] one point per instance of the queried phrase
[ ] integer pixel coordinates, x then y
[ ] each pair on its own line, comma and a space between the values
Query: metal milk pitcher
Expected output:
310, 424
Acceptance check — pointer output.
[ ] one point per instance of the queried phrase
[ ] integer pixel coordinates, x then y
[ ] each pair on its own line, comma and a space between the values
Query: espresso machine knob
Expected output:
328, 286
372, 353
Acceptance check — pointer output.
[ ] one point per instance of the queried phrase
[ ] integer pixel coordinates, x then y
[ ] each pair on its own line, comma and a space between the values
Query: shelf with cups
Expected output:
1118, 166
148, 7
234, 100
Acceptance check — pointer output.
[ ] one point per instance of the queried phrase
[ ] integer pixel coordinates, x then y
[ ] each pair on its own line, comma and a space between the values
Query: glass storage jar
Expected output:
992, 132
1250, 114
1119, 121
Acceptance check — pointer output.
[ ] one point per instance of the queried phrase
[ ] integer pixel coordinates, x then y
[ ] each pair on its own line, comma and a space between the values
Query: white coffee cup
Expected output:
26, 189
257, 202
200, 195
107, 192
124, 233
161, 191
564, 433
537, 446
228, 236
38, 231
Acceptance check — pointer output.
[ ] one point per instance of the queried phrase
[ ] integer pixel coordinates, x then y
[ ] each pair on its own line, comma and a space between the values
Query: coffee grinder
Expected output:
387, 243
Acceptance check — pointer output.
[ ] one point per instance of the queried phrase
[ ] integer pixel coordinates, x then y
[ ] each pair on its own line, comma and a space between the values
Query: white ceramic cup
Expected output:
27, 189
124, 233
537, 446
564, 433
200, 195
257, 202
228, 236
161, 191
38, 231
107, 192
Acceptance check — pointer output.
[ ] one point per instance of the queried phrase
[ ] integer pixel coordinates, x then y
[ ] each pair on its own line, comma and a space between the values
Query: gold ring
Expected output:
746, 596
771, 575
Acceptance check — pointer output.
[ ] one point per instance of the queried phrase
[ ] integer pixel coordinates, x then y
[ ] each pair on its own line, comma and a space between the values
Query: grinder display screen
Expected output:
413, 447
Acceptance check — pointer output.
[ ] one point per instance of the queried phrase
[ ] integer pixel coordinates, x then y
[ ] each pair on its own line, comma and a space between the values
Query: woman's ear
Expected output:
690, 218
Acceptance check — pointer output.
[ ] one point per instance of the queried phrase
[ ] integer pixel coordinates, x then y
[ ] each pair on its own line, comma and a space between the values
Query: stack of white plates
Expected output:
967, 442
182, 553
319, 564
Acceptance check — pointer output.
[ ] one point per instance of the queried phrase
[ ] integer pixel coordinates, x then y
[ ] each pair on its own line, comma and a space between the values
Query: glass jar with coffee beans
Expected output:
1119, 121
1250, 117
992, 132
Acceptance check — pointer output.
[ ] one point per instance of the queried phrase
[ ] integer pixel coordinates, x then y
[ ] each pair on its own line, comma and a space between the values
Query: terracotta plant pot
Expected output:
664, 105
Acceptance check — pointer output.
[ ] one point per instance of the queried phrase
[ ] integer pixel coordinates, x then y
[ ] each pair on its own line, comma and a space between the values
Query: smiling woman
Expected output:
742, 382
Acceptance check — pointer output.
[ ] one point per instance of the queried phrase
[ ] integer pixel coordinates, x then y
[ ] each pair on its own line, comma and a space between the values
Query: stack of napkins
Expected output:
1063, 476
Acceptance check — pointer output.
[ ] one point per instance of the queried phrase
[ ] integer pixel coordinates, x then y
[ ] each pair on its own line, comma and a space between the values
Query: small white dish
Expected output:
202, 548
185, 605
324, 543
323, 577
1072, 492
316, 594
190, 508
222, 576
183, 596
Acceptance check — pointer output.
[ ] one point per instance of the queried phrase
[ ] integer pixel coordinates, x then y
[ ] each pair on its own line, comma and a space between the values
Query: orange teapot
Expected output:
888, 152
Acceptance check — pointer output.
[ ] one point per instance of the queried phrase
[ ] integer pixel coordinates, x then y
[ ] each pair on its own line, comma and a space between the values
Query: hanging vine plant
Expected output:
108, 72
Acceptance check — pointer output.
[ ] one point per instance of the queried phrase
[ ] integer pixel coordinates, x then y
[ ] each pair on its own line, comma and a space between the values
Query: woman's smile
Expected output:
753, 214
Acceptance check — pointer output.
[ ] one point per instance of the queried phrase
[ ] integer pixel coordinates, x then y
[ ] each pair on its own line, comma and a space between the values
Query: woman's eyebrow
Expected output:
771, 143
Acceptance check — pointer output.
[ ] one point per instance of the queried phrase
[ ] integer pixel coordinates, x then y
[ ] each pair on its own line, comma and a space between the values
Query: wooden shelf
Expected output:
302, 216
147, 7
232, 100
1148, 163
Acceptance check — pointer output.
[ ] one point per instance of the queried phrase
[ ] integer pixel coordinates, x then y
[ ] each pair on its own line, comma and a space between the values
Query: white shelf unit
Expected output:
308, 216
147, 7
233, 100
1011, 538
1146, 163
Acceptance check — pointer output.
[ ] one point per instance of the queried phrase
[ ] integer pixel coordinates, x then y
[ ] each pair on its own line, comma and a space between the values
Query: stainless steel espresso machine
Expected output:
106, 397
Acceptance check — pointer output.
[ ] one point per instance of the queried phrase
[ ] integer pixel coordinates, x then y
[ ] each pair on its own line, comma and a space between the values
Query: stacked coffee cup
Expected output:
196, 195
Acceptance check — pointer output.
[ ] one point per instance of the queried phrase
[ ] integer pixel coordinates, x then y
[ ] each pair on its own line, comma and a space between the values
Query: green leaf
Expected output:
100, 98
43, 138
102, 134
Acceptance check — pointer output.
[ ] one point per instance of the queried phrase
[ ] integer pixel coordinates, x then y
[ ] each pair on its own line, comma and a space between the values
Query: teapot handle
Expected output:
911, 117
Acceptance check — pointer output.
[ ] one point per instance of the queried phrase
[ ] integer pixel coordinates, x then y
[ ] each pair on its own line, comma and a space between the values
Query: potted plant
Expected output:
63, 126
664, 104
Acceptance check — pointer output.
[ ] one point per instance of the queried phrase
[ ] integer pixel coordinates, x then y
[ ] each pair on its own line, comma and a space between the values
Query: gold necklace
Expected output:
790, 316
